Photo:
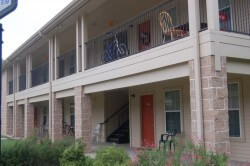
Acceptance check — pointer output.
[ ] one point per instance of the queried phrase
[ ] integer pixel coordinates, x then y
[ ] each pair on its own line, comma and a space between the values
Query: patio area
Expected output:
97, 145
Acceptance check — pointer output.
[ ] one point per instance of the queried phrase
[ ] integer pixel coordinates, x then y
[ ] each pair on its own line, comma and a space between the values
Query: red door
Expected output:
147, 107
144, 35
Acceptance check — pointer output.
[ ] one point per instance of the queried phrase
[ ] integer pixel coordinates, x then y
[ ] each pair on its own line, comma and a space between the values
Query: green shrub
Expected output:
111, 156
154, 157
33, 152
74, 156
184, 154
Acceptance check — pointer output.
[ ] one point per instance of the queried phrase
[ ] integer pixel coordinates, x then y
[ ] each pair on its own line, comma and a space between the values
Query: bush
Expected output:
184, 154
33, 152
74, 156
154, 157
112, 156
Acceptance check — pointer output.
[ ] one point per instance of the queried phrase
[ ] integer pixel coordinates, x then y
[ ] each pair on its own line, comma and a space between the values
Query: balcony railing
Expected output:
234, 16
11, 87
40, 75
163, 24
67, 64
22, 82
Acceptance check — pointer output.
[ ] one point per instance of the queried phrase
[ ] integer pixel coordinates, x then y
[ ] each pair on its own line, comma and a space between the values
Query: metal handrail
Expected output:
123, 108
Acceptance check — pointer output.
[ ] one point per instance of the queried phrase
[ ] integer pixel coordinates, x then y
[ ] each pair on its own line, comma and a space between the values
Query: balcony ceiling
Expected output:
118, 11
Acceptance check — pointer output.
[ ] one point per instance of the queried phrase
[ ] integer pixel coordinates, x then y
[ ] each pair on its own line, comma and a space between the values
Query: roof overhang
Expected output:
69, 10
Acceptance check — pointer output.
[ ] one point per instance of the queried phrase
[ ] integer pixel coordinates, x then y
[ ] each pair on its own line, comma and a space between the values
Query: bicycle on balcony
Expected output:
114, 50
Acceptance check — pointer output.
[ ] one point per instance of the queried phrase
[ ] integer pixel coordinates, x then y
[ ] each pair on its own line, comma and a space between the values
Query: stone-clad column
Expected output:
19, 122
28, 119
83, 118
4, 102
214, 103
57, 116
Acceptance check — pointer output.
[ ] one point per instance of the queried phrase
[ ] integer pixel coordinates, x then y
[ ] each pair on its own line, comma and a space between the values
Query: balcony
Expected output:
234, 16
22, 82
67, 63
160, 25
11, 87
40, 75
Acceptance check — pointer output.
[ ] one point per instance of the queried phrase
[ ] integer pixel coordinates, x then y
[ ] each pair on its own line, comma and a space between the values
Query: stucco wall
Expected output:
114, 100
98, 114
158, 90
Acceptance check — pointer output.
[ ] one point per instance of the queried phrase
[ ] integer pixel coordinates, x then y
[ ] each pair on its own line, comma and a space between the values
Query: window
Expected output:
72, 115
173, 110
234, 110
44, 115
225, 15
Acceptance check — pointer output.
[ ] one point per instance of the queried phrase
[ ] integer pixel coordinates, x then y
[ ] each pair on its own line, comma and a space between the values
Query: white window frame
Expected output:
241, 112
181, 109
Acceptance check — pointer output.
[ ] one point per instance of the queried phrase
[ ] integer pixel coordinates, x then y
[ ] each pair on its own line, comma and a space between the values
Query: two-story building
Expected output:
129, 71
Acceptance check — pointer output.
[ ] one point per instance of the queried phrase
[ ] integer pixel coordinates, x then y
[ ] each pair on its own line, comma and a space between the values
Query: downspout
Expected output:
197, 73
50, 80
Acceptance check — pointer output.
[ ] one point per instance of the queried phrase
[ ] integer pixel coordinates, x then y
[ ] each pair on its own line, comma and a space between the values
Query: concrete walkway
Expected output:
97, 145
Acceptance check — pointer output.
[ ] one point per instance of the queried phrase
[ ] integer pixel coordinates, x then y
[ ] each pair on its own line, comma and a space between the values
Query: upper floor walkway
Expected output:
100, 40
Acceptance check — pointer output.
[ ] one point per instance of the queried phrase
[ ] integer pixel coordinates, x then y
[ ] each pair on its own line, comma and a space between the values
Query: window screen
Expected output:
234, 110
173, 110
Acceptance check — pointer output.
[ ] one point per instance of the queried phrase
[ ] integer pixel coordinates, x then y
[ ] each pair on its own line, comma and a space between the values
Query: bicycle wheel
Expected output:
122, 51
106, 58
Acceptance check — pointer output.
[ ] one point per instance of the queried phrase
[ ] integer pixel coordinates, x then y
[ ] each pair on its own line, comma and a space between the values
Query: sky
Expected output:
26, 20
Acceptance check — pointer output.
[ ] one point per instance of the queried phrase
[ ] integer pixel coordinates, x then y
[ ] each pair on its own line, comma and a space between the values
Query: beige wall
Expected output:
98, 115
240, 148
40, 106
158, 90
114, 100
67, 40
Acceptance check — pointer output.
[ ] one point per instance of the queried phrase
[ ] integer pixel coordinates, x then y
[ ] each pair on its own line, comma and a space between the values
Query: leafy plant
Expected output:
74, 156
33, 152
112, 156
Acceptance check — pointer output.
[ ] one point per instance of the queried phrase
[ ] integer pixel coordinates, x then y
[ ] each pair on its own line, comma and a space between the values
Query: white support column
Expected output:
56, 54
17, 76
194, 17
27, 71
213, 14
51, 77
84, 40
78, 46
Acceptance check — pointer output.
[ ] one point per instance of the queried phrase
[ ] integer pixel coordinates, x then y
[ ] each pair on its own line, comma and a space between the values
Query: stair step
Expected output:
121, 135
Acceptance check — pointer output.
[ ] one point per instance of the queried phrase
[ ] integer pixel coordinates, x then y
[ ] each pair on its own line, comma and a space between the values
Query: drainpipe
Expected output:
194, 13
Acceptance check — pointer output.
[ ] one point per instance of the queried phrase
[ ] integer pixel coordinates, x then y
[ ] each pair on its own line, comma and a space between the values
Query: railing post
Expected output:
213, 14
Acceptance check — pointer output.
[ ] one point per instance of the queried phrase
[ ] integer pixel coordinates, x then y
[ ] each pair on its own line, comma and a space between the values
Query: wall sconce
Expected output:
133, 95
110, 23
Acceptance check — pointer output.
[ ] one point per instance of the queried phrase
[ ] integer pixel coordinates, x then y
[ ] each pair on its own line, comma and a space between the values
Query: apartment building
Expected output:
129, 71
